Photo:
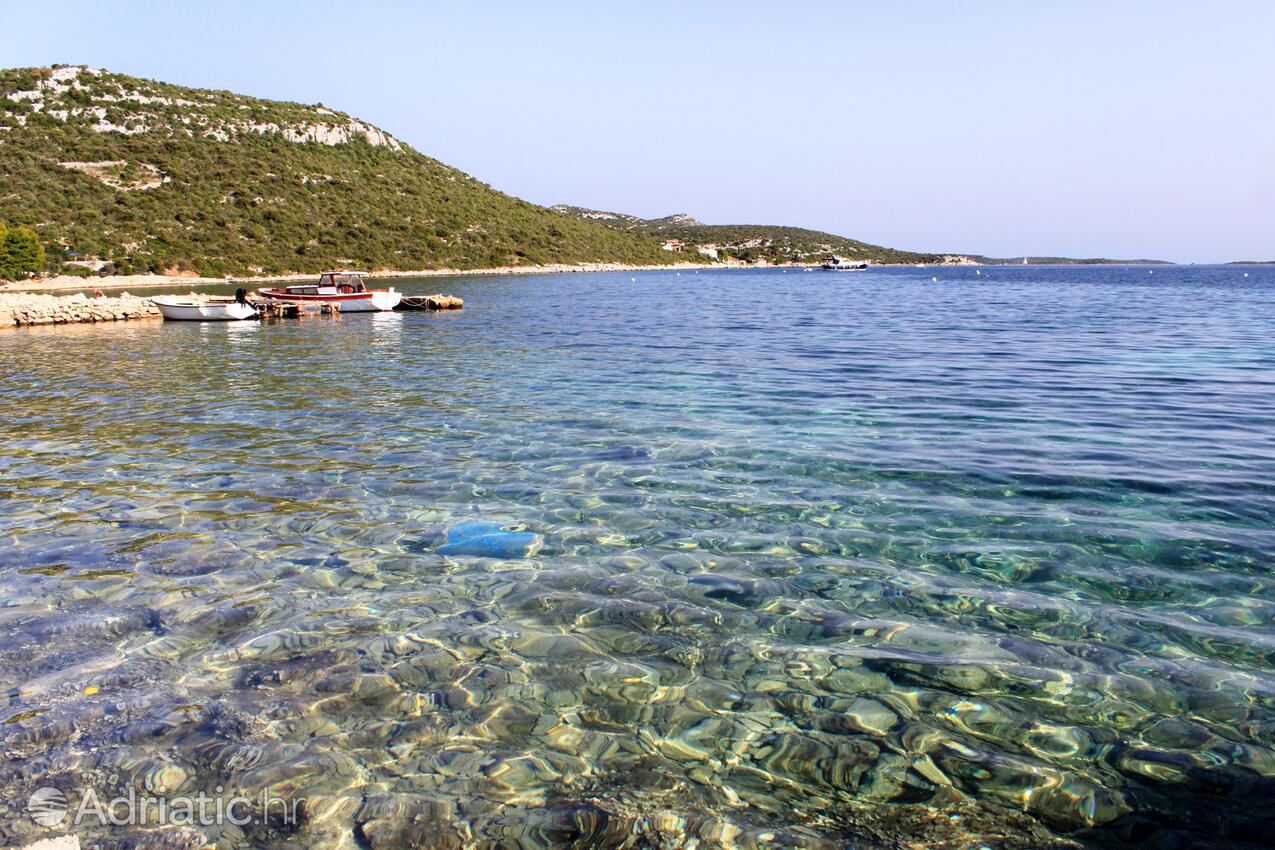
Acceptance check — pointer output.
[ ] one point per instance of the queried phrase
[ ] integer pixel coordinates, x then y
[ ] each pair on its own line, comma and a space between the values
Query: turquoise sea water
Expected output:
825, 560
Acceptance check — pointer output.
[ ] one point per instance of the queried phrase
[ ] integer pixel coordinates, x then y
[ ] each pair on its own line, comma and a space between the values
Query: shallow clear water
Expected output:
827, 560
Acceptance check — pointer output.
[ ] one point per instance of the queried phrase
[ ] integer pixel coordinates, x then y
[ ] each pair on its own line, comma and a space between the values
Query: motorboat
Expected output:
196, 308
347, 289
842, 264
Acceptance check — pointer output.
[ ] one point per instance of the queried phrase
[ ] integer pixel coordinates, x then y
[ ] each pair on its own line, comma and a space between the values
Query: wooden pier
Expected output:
268, 309
295, 310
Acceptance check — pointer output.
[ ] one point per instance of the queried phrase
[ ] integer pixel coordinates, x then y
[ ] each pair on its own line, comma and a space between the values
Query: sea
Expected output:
910, 557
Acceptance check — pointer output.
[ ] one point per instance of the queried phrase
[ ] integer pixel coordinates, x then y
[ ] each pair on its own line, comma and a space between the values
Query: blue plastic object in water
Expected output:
489, 540
468, 530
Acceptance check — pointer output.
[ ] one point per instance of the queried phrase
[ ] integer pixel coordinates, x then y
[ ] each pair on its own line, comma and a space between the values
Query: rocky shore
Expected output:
436, 302
37, 308
31, 308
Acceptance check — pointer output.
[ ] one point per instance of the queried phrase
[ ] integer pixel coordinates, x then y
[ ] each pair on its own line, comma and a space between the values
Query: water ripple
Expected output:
825, 559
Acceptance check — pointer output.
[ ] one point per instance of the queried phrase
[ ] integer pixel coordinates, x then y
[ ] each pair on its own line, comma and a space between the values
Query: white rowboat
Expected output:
184, 308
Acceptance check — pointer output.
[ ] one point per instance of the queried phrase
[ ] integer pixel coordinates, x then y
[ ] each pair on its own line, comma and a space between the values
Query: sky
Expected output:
1140, 128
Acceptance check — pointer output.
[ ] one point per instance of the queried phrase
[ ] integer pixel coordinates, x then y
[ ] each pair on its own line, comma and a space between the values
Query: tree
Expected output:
21, 254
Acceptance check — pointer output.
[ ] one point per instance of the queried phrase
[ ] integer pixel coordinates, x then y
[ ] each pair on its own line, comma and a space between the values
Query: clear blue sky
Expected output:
1081, 128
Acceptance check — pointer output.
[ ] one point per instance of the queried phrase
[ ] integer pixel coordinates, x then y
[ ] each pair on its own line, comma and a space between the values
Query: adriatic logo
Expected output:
47, 806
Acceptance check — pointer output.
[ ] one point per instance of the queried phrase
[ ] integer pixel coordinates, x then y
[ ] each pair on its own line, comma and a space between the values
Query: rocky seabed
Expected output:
29, 308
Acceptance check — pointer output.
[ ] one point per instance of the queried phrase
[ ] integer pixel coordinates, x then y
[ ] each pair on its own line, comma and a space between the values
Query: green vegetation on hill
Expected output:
150, 176
751, 241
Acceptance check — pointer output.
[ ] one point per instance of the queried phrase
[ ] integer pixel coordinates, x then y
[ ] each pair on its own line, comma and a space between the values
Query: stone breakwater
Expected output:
30, 308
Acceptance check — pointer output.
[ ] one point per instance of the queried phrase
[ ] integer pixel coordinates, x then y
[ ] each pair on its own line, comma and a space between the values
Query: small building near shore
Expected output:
674, 245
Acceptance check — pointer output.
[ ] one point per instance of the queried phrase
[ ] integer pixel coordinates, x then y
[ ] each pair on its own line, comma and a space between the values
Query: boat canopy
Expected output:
344, 281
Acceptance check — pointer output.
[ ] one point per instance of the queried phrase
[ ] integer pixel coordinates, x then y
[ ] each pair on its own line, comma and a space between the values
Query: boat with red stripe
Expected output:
346, 288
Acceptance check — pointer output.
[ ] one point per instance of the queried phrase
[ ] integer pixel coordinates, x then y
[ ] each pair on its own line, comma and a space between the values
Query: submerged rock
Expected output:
489, 540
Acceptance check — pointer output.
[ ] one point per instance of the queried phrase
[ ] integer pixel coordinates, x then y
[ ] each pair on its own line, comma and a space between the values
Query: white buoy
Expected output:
1246, 274
935, 279
978, 271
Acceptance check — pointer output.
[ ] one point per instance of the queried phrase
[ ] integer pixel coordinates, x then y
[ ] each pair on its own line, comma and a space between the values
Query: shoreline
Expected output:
63, 283
71, 283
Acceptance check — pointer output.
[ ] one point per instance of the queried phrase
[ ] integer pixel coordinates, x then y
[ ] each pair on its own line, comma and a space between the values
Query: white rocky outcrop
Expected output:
109, 171
120, 106
340, 134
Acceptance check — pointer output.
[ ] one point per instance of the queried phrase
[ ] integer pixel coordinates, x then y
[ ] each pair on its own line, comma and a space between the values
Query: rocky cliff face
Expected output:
612, 218
113, 103
630, 222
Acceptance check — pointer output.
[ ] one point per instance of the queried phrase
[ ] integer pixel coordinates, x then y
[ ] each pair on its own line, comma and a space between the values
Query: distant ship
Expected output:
841, 264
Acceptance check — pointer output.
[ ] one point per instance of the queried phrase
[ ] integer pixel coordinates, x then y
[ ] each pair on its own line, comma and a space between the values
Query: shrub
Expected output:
21, 254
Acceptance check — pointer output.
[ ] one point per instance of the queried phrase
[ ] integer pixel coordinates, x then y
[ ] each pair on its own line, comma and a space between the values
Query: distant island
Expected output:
748, 242
779, 245
1067, 261
103, 173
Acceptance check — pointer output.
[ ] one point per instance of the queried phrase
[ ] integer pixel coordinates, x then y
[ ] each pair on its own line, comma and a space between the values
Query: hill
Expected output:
749, 241
151, 176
